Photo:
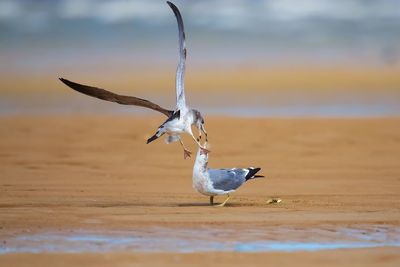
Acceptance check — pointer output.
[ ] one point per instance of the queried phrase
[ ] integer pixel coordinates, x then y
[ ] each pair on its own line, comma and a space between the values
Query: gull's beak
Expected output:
203, 151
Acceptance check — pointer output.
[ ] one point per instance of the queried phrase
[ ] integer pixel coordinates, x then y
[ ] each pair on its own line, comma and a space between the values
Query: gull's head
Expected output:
202, 155
198, 119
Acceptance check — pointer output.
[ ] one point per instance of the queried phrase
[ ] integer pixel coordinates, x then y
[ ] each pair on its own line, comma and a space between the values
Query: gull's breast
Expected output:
175, 126
201, 184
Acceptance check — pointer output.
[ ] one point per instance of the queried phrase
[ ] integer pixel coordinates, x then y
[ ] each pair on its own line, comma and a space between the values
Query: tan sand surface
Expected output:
356, 257
85, 172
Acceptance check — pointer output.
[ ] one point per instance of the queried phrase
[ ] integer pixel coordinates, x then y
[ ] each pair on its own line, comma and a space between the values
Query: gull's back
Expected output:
227, 179
231, 179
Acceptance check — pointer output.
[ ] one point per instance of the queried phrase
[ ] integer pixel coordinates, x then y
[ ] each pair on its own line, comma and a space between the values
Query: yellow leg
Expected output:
204, 131
197, 141
223, 203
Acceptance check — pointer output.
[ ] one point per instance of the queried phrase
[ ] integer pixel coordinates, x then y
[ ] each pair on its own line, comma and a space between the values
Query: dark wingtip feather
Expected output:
76, 86
175, 10
171, 5
252, 173
65, 81
151, 139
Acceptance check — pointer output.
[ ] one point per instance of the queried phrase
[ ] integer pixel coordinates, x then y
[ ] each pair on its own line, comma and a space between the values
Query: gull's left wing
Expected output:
112, 97
180, 71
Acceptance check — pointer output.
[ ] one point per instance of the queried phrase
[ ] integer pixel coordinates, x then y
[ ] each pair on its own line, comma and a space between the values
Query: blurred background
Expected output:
283, 58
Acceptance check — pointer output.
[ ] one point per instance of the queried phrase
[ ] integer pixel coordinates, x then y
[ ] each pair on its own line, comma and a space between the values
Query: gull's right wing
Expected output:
112, 97
180, 70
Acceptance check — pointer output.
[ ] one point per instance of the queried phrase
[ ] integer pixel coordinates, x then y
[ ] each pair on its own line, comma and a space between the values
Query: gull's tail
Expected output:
252, 173
161, 130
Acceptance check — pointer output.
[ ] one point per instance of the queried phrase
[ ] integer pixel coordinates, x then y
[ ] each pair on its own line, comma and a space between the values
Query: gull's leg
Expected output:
198, 143
211, 200
201, 130
223, 203
189, 131
186, 153
199, 136
204, 131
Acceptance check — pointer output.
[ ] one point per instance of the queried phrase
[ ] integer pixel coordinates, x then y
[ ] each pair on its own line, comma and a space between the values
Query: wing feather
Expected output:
112, 97
180, 71
226, 180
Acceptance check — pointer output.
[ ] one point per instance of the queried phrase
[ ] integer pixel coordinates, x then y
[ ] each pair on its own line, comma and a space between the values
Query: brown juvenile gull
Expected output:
180, 119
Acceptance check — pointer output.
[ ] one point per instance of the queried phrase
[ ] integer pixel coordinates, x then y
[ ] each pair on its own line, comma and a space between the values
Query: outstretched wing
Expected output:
112, 97
180, 71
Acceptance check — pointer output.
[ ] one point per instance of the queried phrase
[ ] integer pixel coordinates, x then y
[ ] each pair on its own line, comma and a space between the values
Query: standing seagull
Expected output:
212, 182
179, 120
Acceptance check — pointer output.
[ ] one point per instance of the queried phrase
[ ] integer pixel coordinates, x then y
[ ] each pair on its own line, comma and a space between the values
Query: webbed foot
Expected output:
186, 153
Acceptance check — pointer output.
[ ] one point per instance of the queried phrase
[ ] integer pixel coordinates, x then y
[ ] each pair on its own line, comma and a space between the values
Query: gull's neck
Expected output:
191, 116
201, 163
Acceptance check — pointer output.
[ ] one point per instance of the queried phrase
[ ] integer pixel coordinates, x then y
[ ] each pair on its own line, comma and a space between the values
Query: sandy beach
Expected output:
308, 92
68, 173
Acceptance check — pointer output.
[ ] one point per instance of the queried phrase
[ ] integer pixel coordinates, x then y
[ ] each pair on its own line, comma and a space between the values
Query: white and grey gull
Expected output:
213, 182
180, 120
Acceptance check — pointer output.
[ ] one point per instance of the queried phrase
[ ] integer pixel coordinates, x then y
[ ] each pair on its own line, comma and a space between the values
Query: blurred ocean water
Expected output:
39, 35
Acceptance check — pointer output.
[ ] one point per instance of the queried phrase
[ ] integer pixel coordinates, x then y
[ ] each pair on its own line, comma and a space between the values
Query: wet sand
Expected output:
85, 172
358, 257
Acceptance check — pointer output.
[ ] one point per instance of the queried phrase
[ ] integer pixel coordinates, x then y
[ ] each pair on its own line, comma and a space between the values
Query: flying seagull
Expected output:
212, 182
180, 119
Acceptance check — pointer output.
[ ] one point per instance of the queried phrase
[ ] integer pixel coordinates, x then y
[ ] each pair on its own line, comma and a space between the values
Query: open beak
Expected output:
203, 151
